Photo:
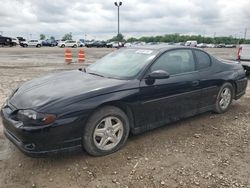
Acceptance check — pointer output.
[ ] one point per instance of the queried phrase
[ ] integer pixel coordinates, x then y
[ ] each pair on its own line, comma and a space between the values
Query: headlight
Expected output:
33, 117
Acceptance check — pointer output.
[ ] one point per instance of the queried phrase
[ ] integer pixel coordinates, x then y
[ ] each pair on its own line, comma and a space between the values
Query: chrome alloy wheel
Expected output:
108, 133
225, 98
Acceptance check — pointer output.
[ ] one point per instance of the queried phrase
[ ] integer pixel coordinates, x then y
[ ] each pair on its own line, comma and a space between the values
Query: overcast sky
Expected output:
98, 18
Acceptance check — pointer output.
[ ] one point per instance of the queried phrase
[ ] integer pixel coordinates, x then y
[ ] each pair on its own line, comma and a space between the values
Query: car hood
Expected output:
74, 85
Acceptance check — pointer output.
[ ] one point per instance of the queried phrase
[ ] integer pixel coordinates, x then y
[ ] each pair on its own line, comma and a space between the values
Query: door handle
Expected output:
195, 83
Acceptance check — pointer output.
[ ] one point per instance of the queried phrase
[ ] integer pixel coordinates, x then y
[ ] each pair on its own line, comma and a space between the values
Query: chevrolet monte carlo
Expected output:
130, 90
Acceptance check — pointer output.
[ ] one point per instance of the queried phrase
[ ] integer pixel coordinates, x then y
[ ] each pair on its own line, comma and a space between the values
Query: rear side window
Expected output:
203, 59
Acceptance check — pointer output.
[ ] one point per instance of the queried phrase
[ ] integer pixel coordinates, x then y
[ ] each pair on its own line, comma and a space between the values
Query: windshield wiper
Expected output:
95, 74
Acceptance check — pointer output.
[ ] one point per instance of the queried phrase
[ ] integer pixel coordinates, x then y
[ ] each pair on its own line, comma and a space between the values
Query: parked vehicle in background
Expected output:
180, 44
101, 44
96, 44
116, 44
86, 42
80, 43
243, 56
222, 45
15, 41
211, 45
109, 45
202, 45
61, 44
49, 42
20, 39
151, 43
230, 46
31, 43
67, 43
191, 43
127, 44
6, 41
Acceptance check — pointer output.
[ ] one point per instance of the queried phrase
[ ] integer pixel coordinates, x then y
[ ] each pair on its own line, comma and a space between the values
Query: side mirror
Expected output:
158, 74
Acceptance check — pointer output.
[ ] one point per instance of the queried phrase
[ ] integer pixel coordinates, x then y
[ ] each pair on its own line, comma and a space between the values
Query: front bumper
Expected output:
40, 141
28, 149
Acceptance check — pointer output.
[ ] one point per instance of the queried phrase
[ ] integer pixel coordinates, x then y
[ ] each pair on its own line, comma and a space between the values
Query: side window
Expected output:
202, 59
175, 62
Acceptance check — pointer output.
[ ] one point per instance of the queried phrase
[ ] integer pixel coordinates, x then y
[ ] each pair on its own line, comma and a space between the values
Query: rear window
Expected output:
203, 59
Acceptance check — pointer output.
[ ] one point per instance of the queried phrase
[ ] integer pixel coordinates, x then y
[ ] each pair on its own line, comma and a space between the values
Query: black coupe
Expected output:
130, 90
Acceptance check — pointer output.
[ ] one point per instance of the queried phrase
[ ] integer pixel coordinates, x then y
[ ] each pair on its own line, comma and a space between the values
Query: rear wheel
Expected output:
106, 131
62, 46
224, 98
75, 46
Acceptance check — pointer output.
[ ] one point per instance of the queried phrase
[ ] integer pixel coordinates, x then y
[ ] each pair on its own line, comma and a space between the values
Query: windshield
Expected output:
122, 64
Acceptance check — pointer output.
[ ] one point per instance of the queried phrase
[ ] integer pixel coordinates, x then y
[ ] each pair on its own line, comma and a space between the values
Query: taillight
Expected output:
238, 54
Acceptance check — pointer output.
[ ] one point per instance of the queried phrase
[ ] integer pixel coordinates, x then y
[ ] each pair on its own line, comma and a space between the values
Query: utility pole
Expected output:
118, 4
245, 34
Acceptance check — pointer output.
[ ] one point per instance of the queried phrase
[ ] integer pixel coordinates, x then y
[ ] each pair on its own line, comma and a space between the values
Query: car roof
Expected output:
160, 47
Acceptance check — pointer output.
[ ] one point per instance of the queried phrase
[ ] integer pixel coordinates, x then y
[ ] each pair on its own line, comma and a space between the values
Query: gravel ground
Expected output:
208, 150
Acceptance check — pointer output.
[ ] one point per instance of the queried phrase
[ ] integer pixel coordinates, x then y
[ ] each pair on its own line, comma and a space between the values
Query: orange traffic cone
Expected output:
68, 56
81, 56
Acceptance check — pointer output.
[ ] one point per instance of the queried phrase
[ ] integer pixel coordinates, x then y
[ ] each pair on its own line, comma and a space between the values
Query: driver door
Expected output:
166, 100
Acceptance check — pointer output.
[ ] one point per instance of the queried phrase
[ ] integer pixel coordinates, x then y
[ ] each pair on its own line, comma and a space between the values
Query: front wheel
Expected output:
106, 131
224, 98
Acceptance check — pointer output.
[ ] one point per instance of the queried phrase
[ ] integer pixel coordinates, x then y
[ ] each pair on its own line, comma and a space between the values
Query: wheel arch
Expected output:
232, 82
122, 106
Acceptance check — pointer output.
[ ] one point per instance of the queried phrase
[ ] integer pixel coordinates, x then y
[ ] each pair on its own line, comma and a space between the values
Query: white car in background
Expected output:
116, 45
243, 56
127, 44
68, 43
80, 44
34, 43
211, 45
202, 45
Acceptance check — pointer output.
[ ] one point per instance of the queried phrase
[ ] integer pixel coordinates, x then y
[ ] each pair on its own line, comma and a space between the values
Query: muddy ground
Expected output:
207, 150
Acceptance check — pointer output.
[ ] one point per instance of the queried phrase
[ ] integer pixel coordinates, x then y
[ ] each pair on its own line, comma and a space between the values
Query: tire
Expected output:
223, 103
25, 45
106, 131
74, 46
38, 46
62, 46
